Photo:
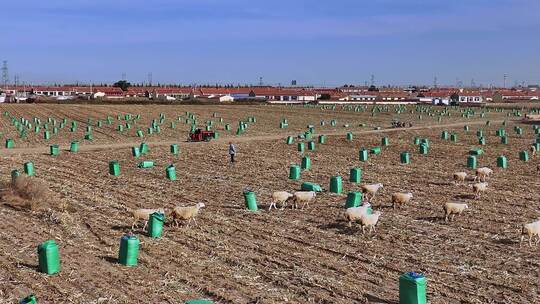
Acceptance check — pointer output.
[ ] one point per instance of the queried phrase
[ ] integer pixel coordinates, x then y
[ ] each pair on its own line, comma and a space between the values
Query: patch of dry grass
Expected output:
31, 193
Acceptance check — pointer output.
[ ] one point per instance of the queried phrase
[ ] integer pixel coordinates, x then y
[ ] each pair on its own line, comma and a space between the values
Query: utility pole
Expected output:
260, 81
372, 80
124, 76
435, 84
150, 79
504, 83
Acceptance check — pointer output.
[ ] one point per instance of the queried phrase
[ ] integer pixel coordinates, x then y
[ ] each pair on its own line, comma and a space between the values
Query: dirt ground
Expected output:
278, 256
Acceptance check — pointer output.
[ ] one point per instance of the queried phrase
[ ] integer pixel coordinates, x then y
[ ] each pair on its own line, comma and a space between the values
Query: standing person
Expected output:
232, 151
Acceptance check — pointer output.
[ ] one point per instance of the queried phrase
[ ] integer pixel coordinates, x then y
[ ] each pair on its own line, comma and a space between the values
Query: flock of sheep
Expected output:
356, 214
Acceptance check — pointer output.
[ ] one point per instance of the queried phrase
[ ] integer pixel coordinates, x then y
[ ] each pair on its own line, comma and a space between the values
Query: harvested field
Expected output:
278, 256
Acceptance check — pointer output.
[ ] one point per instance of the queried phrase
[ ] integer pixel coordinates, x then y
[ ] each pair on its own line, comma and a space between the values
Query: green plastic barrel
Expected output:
140, 133
311, 146
46, 135
227, 127
322, 139
146, 164
524, 156
417, 141
412, 288
143, 148
170, 172
376, 150
307, 135
453, 137
385, 141
502, 162
129, 250
479, 133
349, 136
289, 140
306, 163
504, 140
31, 299
335, 184
363, 155
174, 149
250, 200
476, 151
114, 168
216, 134
355, 175
444, 135
423, 149
29, 168
519, 131
54, 150
482, 141
9, 143
294, 172
74, 147
88, 136
353, 199
300, 147
471, 162
135, 152
49, 259
14, 175
466, 128
405, 158
155, 224
308, 186
425, 141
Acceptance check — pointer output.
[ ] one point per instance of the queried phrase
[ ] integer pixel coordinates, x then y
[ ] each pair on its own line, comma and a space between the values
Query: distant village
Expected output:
275, 95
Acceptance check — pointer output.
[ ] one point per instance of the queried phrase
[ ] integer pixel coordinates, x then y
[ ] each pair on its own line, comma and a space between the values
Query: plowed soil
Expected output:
279, 256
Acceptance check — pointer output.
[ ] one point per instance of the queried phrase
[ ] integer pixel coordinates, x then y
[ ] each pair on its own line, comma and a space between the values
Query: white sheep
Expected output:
401, 199
370, 220
143, 214
478, 188
482, 174
453, 209
460, 177
370, 190
532, 230
280, 197
186, 213
303, 196
354, 214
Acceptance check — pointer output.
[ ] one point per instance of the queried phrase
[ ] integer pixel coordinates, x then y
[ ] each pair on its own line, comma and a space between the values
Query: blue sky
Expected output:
236, 41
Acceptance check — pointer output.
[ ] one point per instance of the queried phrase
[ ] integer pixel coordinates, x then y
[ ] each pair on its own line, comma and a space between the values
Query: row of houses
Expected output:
277, 95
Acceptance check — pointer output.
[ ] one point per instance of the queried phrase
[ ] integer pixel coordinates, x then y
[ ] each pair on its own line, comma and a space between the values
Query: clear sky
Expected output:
316, 42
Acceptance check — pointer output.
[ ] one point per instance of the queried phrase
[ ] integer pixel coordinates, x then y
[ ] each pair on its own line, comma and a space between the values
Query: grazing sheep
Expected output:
532, 230
482, 174
354, 214
479, 188
186, 213
401, 199
143, 214
303, 196
371, 190
459, 177
280, 197
370, 220
453, 209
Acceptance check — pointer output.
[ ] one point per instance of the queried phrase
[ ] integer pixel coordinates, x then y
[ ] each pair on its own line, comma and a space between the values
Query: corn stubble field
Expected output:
296, 256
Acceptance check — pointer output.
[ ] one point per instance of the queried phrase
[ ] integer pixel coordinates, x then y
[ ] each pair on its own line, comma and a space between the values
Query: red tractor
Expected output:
200, 135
